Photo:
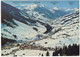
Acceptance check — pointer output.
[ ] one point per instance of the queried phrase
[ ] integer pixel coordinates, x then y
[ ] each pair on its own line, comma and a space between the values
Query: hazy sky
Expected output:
60, 4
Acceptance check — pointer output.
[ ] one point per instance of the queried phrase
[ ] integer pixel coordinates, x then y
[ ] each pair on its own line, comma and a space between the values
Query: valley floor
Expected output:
26, 52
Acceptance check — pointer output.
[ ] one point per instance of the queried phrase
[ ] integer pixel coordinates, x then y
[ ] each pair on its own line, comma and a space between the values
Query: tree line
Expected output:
71, 50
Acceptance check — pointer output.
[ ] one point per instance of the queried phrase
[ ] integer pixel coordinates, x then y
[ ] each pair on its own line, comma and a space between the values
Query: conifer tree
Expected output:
47, 54
42, 55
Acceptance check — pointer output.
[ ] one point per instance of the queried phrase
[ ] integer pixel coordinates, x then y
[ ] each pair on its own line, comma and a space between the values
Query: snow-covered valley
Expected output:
22, 30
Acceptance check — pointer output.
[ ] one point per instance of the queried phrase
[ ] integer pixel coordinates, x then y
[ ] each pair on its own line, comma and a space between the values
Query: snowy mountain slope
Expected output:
67, 33
15, 13
18, 25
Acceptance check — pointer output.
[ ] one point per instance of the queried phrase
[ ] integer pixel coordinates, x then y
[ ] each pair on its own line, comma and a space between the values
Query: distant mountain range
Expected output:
41, 11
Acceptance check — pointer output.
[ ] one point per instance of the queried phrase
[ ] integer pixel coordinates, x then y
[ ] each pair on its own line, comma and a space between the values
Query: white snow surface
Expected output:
32, 52
22, 31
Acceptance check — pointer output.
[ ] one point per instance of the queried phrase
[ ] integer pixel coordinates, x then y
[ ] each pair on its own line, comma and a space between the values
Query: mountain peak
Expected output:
55, 8
31, 7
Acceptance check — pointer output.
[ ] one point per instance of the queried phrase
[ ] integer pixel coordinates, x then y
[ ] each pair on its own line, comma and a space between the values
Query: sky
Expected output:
60, 4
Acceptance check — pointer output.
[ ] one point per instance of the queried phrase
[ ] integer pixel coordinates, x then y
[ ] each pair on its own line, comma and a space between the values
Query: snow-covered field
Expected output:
32, 53
8, 51
26, 52
57, 42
